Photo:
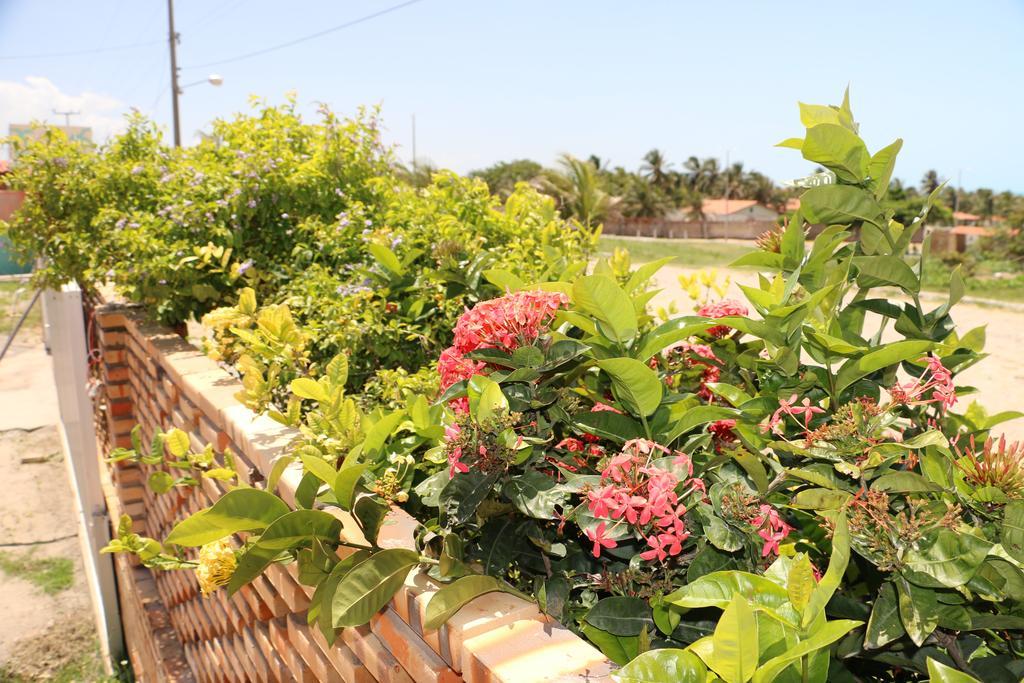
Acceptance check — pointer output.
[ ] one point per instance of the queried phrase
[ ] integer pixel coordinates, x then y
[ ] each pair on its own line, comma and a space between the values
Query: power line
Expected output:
311, 36
76, 53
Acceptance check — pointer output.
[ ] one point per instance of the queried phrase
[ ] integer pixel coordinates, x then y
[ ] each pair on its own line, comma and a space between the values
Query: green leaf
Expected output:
486, 401
178, 443
875, 271
337, 370
884, 626
946, 559
319, 468
453, 597
370, 585
666, 665
1012, 534
882, 357
381, 430
801, 582
700, 415
718, 588
838, 149
621, 616
940, 673
386, 258
823, 637
461, 496
837, 563
619, 649
609, 425
904, 482
324, 594
601, 297
304, 387
735, 646
881, 166
635, 385
505, 280
160, 482
237, 510
918, 610
287, 532
345, 482
535, 494
839, 205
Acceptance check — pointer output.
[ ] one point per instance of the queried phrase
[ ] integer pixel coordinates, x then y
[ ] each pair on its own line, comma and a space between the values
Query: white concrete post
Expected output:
71, 374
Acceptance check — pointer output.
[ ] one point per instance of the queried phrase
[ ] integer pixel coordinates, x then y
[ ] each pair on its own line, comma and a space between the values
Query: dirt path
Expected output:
999, 378
47, 630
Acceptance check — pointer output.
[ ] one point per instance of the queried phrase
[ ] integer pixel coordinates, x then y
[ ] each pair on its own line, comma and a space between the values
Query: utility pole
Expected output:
175, 90
67, 117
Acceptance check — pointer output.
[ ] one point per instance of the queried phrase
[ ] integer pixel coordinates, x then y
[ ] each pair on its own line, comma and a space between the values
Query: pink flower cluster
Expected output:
722, 309
941, 386
505, 323
455, 464
692, 353
772, 528
635, 494
794, 409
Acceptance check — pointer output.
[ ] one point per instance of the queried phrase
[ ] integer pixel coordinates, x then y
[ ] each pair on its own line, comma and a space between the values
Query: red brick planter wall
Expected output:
153, 378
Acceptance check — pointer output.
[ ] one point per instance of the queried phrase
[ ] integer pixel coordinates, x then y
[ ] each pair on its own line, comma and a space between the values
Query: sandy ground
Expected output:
999, 378
39, 633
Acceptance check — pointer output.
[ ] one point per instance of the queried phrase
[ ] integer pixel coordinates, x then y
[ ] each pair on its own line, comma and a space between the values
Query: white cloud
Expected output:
37, 97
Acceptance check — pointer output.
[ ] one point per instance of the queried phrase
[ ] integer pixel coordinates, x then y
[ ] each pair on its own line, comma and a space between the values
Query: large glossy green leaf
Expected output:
319, 467
881, 166
837, 564
486, 400
718, 588
286, 532
838, 149
876, 271
601, 297
345, 482
619, 649
904, 482
368, 586
1012, 534
823, 637
386, 258
621, 616
940, 673
734, 654
635, 385
666, 665
700, 415
178, 443
800, 582
535, 494
304, 387
885, 356
839, 205
453, 597
884, 626
609, 425
918, 610
949, 559
324, 594
237, 510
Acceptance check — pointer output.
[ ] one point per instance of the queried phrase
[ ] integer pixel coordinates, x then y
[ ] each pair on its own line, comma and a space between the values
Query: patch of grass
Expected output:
688, 253
51, 574
14, 297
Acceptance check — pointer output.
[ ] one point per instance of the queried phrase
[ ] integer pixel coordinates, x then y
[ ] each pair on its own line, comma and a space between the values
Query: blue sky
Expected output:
500, 80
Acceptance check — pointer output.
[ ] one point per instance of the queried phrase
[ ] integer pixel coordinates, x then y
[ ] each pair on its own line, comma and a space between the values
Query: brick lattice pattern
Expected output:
154, 378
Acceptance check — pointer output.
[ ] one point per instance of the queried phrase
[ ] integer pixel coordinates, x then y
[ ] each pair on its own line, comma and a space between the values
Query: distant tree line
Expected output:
592, 191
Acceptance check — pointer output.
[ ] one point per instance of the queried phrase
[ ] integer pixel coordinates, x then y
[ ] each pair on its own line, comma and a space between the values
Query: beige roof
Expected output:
725, 207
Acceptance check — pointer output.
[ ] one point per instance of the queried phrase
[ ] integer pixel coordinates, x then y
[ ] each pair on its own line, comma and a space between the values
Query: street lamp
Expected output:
215, 80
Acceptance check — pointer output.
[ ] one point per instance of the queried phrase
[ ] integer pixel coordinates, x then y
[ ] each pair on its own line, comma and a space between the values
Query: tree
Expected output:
645, 200
502, 177
656, 169
930, 182
577, 188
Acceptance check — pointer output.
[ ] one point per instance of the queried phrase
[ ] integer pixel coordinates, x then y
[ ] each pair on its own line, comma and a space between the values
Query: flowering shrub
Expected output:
762, 491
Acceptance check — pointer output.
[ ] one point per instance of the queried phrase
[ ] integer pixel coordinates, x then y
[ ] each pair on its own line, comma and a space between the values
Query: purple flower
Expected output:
252, 204
137, 170
246, 265
367, 222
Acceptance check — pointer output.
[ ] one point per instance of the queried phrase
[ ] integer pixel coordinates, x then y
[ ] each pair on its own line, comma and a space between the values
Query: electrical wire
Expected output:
76, 53
303, 39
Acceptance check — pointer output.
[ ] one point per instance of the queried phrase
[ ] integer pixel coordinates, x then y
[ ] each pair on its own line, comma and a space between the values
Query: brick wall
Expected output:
153, 378
660, 227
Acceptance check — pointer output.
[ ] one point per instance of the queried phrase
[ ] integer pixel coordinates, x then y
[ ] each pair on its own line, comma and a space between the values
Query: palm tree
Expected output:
702, 175
655, 168
694, 203
645, 200
577, 188
930, 182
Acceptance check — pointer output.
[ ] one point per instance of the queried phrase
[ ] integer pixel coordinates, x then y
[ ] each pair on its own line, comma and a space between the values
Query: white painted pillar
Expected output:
69, 351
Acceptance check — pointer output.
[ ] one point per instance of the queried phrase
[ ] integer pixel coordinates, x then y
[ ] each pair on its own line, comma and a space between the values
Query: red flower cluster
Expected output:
721, 309
643, 497
505, 323
692, 355
941, 386
772, 528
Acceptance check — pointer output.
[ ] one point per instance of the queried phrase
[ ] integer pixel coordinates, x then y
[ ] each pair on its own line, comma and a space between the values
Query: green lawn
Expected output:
688, 253
984, 278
